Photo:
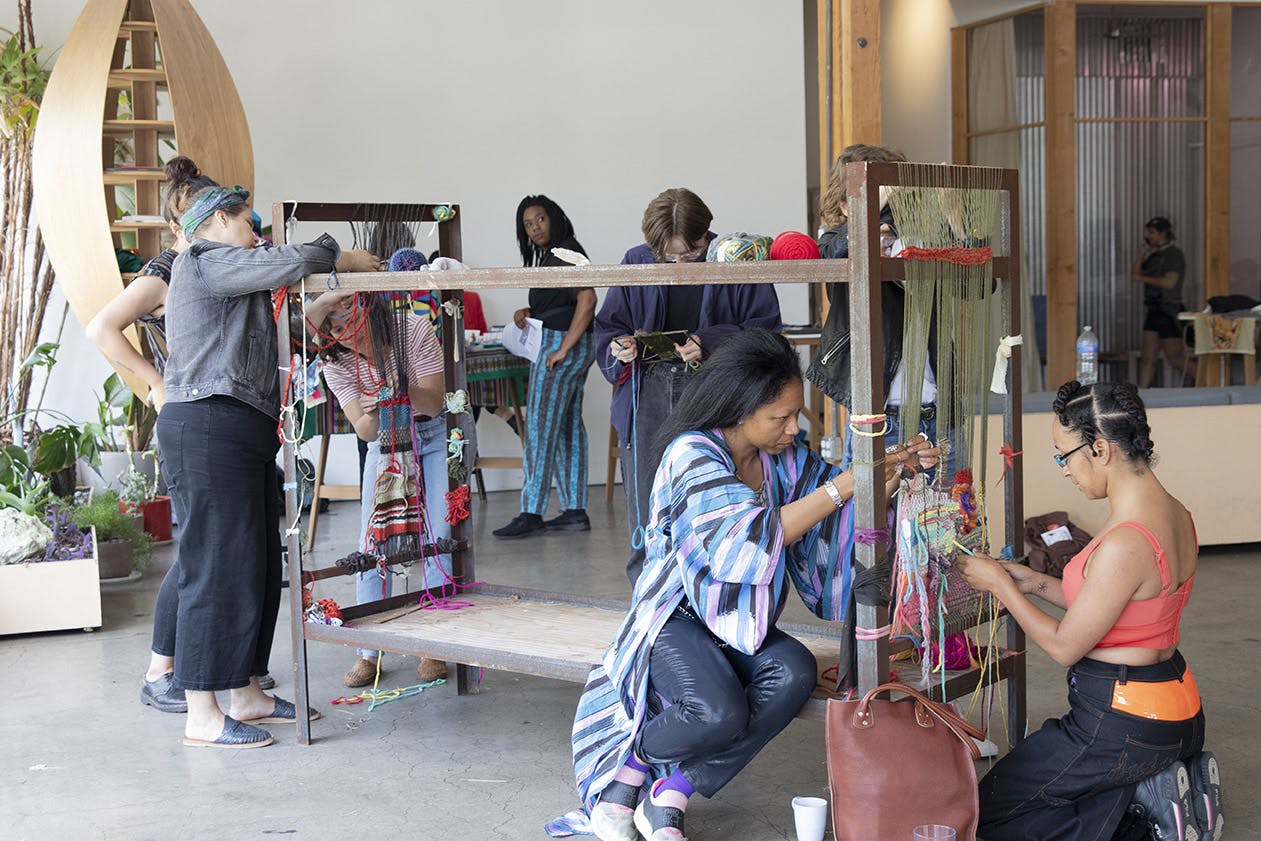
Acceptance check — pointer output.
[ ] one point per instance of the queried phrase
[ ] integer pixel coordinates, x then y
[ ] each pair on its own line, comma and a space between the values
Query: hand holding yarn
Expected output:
690, 351
983, 573
624, 349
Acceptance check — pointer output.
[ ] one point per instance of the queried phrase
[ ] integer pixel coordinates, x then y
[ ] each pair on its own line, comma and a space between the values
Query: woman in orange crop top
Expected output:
1126, 762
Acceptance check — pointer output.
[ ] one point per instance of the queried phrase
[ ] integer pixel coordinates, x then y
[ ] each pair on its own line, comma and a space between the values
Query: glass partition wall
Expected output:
1126, 119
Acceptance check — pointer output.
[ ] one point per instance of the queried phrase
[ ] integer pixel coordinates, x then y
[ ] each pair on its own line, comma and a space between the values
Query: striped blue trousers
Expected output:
555, 436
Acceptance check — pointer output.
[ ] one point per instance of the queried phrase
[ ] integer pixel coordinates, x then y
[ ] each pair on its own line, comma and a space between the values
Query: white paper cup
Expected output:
810, 814
933, 832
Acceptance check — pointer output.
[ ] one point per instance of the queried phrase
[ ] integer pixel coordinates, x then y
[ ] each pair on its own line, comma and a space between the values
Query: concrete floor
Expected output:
81, 759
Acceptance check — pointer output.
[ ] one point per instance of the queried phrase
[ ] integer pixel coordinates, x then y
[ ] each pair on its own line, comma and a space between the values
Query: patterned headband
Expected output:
207, 202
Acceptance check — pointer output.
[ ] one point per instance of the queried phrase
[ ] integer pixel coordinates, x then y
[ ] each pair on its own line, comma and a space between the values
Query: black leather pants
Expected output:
711, 708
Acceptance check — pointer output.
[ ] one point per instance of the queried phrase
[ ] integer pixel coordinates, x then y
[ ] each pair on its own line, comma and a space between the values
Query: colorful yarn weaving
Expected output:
960, 653
794, 245
871, 537
457, 505
323, 612
738, 247
957, 256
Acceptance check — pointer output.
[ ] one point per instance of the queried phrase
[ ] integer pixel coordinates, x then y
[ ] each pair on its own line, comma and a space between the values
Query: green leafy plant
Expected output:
124, 422
137, 488
20, 486
105, 513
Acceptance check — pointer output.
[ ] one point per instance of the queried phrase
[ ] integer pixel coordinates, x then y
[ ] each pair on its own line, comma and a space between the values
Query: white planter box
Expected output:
53, 596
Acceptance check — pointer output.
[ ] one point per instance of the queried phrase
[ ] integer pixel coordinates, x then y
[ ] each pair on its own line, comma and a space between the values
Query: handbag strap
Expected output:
962, 728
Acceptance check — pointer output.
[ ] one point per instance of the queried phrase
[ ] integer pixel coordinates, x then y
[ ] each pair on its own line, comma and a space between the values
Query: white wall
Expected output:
598, 106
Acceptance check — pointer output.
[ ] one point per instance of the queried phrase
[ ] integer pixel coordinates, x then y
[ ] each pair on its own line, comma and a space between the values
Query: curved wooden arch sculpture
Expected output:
74, 137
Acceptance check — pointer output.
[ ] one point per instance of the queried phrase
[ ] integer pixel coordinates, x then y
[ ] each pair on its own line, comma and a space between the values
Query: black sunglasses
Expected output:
1062, 458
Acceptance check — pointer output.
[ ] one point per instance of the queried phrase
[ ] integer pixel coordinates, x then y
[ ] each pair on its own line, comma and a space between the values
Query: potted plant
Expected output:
49, 579
121, 433
140, 494
120, 538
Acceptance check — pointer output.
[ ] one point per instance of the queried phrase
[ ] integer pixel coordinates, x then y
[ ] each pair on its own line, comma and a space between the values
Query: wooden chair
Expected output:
1217, 340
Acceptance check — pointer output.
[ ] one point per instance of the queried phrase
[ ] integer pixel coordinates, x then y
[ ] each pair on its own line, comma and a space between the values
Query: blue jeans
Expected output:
661, 387
431, 438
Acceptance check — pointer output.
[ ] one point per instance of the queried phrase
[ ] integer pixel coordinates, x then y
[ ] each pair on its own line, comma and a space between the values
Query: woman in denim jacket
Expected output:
218, 430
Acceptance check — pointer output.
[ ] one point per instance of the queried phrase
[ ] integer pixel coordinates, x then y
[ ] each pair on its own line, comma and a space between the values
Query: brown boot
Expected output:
431, 670
362, 673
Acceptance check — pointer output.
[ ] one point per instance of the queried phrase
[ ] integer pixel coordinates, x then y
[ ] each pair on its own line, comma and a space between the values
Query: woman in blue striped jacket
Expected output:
698, 678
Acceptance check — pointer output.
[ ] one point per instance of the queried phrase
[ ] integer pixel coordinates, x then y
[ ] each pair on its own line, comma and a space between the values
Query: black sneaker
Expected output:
651, 819
571, 519
522, 525
1206, 795
162, 696
1166, 798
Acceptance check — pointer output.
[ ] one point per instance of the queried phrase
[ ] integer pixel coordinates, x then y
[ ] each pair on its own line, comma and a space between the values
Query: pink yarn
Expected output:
960, 653
794, 245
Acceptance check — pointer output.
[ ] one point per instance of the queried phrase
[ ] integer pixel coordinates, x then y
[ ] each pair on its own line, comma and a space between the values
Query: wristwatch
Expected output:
833, 493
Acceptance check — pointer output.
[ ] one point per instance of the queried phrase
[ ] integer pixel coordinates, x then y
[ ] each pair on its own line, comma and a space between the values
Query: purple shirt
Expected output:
725, 309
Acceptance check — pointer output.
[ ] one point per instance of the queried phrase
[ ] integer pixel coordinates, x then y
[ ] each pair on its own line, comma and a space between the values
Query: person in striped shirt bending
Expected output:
698, 677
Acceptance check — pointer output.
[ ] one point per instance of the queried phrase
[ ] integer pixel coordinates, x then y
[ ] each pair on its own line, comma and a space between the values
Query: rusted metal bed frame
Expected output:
370, 625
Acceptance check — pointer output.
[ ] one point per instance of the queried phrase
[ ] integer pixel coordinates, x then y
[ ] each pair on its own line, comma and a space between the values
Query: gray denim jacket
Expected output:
219, 326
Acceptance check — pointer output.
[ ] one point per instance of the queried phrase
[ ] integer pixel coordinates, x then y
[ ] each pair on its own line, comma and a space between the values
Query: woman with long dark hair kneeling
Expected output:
698, 678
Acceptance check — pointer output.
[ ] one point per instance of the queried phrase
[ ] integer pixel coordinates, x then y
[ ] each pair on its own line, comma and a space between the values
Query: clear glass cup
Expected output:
933, 832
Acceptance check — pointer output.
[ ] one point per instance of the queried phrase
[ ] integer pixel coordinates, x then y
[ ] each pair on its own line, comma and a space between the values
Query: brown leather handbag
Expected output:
895, 765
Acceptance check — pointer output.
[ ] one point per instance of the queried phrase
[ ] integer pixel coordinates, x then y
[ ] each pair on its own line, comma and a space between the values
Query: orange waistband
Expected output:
1169, 700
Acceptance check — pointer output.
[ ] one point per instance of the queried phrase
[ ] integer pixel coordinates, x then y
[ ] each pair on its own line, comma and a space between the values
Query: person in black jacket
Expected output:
830, 369
555, 437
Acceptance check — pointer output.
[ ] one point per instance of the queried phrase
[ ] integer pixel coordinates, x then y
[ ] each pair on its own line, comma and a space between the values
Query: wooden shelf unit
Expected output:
150, 50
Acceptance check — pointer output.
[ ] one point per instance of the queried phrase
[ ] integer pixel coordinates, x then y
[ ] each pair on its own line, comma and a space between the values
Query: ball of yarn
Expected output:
443, 213
794, 245
407, 260
960, 653
734, 248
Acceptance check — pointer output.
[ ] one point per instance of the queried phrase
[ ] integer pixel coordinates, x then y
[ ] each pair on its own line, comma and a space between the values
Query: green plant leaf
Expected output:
44, 356
56, 450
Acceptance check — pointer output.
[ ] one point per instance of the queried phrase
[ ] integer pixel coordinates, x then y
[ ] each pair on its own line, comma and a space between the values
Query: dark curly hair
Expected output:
562, 229
1112, 411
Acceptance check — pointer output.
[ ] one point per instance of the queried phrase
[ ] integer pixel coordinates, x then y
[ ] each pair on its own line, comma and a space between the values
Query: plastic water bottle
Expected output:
1087, 357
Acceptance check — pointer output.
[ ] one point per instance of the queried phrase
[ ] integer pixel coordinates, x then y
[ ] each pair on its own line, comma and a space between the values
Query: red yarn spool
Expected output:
794, 245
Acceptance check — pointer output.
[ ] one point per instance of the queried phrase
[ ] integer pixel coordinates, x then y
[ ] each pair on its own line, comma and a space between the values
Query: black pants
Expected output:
220, 457
1075, 777
711, 708
660, 388
166, 607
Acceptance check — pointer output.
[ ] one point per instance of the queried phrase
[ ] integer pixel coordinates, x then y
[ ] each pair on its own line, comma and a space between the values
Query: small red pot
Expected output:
157, 517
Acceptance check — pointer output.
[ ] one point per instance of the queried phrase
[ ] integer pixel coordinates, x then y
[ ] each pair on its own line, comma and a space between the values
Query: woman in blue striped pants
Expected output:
555, 438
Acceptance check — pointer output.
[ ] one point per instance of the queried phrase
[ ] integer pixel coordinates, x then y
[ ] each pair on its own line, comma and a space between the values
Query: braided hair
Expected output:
562, 229
1112, 411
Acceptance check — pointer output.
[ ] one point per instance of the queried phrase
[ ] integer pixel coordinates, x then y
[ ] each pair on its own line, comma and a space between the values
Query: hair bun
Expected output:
181, 169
